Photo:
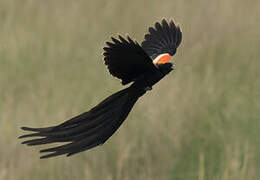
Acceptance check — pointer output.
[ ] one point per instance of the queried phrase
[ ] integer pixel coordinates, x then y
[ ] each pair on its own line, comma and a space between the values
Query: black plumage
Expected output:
128, 61
164, 38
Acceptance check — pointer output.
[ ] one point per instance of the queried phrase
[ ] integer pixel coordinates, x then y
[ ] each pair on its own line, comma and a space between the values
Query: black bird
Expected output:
143, 66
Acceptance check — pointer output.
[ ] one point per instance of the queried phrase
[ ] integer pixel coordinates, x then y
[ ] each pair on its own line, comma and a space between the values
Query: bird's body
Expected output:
143, 65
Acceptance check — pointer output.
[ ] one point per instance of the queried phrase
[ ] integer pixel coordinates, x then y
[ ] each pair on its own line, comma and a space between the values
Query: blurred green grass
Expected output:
205, 124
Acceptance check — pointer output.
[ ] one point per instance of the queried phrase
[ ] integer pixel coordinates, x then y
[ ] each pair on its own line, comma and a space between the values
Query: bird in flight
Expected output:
141, 65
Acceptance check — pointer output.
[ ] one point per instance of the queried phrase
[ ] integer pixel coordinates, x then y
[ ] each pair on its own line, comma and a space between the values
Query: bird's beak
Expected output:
162, 59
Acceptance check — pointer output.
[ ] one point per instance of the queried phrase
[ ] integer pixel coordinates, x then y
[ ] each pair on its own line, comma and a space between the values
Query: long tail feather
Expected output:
87, 130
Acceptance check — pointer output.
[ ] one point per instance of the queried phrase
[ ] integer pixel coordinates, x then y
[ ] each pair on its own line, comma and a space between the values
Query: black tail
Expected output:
87, 130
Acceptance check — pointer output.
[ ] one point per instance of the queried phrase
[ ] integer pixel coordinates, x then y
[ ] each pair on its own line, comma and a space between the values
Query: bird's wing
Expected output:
163, 38
126, 59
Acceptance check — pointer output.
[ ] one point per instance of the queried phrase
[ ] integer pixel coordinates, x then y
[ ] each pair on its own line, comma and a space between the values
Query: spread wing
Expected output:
126, 59
163, 38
